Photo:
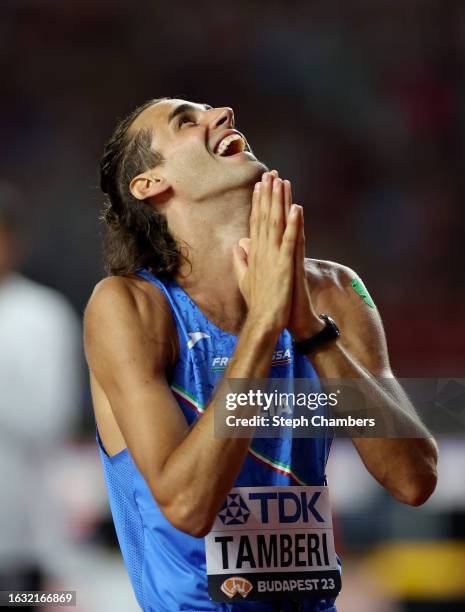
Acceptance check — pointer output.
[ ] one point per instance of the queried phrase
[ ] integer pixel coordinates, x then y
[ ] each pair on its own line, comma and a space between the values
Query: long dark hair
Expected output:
137, 235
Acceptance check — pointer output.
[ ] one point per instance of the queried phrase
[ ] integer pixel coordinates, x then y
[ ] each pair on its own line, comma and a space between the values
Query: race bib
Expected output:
270, 543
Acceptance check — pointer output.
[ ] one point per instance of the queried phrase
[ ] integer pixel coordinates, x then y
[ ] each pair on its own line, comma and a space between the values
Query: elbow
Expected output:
189, 518
419, 489
421, 482
185, 509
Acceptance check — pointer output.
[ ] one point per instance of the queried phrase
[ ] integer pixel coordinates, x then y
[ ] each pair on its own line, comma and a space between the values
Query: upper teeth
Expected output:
224, 144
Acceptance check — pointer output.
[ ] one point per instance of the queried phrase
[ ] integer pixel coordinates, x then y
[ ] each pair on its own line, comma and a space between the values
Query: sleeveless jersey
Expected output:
167, 567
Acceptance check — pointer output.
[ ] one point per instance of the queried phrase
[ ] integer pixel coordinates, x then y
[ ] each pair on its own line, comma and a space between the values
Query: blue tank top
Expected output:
167, 567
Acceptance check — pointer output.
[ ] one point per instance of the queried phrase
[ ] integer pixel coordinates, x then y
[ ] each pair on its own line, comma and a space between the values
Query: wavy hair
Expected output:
137, 236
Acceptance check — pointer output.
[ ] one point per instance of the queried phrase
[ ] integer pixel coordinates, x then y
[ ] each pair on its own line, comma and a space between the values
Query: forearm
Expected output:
406, 467
203, 467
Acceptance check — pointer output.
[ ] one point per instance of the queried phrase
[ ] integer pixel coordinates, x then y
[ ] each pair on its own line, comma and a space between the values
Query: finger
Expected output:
274, 175
255, 212
291, 232
300, 245
287, 199
244, 243
302, 227
239, 262
300, 282
277, 212
265, 204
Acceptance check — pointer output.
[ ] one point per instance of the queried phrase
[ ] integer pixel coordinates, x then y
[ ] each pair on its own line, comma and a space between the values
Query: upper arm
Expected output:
128, 335
362, 331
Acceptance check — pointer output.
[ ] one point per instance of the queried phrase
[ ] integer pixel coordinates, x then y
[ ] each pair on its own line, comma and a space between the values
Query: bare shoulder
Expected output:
330, 282
126, 295
337, 290
123, 290
126, 308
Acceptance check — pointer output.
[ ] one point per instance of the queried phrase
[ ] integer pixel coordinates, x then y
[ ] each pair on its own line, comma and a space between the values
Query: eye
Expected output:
185, 120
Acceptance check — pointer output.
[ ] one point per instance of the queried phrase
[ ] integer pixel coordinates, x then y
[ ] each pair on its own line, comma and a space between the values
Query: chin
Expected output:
251, 172
261, 168
237, 177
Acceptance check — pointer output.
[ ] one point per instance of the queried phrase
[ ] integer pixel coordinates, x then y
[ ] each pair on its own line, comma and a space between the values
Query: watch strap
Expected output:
329, 332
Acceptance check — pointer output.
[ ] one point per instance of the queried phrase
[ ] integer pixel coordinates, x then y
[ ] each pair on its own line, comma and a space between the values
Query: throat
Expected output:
229, 322
227, 310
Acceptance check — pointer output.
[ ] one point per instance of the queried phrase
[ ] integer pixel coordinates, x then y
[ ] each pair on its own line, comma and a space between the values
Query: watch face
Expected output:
331, 326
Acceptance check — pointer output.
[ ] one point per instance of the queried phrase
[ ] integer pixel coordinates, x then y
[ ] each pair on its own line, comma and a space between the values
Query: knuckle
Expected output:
275, 222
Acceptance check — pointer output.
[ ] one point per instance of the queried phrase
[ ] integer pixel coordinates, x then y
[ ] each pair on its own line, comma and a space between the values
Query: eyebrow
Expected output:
185, 108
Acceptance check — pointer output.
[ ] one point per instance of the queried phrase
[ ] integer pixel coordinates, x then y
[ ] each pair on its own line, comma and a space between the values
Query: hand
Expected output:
303, 320
264, 266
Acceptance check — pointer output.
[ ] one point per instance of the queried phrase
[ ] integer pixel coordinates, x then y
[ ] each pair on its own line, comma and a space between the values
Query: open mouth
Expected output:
231, 145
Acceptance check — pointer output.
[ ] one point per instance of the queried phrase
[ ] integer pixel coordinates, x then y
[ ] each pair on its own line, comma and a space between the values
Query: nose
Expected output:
222, 116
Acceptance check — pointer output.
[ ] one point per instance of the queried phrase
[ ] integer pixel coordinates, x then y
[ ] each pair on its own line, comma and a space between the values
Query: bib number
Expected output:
271, 543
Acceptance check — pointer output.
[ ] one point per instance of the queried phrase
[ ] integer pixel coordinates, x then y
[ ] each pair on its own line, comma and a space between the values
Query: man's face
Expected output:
205, 156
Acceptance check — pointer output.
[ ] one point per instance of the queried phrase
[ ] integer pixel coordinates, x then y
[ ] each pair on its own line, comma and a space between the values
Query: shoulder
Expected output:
339, 291
116, 295
128, 307
331, 282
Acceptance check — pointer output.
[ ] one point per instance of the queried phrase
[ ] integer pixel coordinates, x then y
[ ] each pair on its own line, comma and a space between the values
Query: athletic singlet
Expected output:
167, 567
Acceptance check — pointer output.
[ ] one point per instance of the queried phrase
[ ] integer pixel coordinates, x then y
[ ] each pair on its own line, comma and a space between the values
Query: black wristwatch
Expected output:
329, 332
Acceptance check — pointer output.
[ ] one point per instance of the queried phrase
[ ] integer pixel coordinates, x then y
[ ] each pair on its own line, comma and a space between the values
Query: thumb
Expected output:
245, 244
239, 261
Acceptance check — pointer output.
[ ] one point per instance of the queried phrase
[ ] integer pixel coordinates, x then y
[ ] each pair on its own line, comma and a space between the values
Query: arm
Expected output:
405, 467
127, 338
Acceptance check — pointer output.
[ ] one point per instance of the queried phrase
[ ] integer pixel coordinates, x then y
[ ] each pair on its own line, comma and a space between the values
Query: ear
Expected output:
147, 185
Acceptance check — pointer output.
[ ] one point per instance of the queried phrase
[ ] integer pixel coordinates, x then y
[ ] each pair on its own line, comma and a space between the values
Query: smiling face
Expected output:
204, 156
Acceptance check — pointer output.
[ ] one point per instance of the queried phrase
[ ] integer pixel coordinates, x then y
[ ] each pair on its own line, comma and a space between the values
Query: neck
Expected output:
207, 233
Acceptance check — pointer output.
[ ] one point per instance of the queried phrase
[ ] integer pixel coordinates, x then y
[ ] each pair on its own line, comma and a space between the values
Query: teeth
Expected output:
224, 144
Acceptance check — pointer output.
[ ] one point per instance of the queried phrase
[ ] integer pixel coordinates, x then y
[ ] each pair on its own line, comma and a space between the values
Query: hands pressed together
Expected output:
269, 265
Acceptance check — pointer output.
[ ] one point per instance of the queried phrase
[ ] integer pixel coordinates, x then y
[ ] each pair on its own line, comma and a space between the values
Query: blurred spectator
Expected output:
39, 396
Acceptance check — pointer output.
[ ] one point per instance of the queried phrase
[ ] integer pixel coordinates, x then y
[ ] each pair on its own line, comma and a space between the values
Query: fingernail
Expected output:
266, 177
256, 187
277, 184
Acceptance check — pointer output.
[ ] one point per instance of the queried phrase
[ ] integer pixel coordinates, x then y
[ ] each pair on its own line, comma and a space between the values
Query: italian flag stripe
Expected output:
188, 398
277, 466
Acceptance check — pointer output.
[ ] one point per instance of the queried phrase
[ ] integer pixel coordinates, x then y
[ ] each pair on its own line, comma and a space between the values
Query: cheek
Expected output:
188, 165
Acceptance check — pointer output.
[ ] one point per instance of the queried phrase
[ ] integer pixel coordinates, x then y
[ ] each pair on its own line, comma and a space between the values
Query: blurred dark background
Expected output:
362, 105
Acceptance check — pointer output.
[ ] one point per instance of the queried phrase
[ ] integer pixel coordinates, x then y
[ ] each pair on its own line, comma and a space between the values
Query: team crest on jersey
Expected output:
280, 357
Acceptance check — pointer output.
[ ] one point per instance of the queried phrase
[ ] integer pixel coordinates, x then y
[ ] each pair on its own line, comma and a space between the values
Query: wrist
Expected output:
309, 329
329, 333
262, 326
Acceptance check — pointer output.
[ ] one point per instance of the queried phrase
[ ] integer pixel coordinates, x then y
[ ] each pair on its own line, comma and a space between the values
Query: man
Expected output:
208, 281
